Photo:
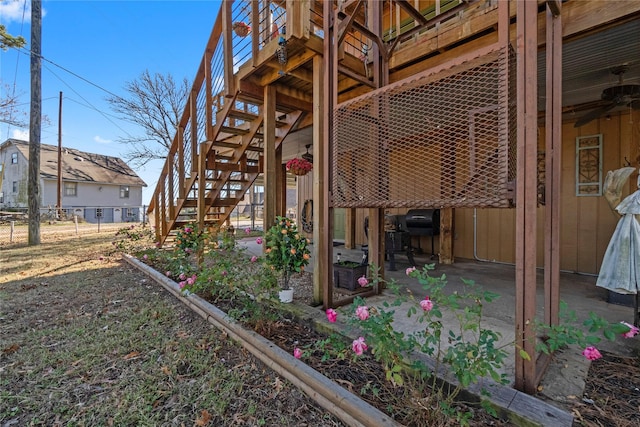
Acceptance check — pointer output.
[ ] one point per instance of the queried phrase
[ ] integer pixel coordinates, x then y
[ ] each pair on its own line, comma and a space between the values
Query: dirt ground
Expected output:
87, 340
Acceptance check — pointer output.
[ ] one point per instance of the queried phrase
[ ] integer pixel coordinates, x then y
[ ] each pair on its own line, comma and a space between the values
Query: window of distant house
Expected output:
15, 186
71, 189
124, 191
14, 158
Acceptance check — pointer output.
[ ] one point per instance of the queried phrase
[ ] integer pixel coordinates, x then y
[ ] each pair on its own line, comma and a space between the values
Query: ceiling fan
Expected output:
614, 96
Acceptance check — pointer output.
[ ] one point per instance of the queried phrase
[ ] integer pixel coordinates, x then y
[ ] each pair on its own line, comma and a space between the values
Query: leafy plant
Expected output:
134, 239
190, 239
569, 332
286, 250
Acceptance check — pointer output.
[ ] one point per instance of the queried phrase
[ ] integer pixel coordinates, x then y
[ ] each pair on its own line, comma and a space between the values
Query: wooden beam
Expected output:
416, 15
553, 164
526, 193
350, 228
227, 43
292, 64
446, 235
270, 168
355, 76
325, 73
554, 7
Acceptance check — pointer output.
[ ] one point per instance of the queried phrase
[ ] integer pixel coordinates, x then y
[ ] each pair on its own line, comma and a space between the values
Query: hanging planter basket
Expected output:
299, 166
241, 29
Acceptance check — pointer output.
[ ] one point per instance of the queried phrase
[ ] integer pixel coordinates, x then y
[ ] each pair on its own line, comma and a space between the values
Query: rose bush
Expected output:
287, 250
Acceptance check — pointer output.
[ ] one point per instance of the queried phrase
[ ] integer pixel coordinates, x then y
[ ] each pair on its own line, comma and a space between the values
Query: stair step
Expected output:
233, 130
224, 144
249, 117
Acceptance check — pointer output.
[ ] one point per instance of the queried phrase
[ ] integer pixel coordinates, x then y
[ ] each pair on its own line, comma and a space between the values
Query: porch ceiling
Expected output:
587, 63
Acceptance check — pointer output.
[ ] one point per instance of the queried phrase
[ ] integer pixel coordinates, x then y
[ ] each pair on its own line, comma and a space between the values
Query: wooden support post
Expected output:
350, 228
227, 40
376, 242
446, 235
156, 217
270, 163
193, 116
298, 18
526, 196
376, 216
255, 31
281, 172
208, 82
325, 95
180, 152
202, 171
553, 164
172, 206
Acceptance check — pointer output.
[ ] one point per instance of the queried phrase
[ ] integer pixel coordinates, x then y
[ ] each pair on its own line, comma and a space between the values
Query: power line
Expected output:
89, 103
28, 52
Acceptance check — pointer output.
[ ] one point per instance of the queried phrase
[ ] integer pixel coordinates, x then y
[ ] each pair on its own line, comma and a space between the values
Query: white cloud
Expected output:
15, 11
100, 140
21, 134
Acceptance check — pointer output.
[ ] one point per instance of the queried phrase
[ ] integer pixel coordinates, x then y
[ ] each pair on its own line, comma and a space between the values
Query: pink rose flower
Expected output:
187, 229
332, 316
182, 284
362, 312
254, 258
359, 346
633, 330
426, 304
167, 273
362, 281
145, 257
182, 276
591, 353
259, 240
247, 230
409, 270
297, 353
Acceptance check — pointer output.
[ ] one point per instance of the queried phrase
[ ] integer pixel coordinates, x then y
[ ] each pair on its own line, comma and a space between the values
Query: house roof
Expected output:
80, 166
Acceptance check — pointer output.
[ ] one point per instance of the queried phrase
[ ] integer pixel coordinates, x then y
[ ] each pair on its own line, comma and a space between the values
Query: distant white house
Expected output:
94, 186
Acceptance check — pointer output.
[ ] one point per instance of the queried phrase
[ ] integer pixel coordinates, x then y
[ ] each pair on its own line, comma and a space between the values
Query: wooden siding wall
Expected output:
587, 222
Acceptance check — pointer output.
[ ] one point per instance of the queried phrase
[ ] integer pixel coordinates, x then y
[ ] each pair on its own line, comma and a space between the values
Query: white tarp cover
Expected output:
620, 271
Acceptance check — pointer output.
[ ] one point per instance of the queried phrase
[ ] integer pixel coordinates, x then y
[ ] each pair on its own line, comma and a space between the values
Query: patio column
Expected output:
270, 163
553, 164
325, 80
526, 191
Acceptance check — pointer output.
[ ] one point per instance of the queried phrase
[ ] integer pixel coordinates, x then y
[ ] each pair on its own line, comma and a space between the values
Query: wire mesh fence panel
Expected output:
444, 139
18, 232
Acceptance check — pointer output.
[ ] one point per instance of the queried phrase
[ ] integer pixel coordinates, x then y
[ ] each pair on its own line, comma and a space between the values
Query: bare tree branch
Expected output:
155, 103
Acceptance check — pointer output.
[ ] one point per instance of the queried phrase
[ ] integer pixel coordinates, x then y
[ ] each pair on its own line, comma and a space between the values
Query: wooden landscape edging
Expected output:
349, 408
519, 408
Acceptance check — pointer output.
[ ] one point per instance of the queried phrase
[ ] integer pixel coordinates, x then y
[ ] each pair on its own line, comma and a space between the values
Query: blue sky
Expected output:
106, 44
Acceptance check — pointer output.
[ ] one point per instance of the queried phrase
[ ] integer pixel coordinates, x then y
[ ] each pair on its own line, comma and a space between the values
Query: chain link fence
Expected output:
17, 231
14, 228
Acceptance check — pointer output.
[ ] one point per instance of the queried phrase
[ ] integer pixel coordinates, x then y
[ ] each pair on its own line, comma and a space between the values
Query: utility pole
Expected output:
59, 210
35, 123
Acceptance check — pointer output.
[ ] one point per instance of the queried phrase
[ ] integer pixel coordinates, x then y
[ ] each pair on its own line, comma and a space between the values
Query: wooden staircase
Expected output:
219, 170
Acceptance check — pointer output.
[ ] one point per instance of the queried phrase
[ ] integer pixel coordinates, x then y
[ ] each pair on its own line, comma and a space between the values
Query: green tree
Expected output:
7, 40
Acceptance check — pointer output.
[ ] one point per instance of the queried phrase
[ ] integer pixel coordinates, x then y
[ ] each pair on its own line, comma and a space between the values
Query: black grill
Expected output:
423, 222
